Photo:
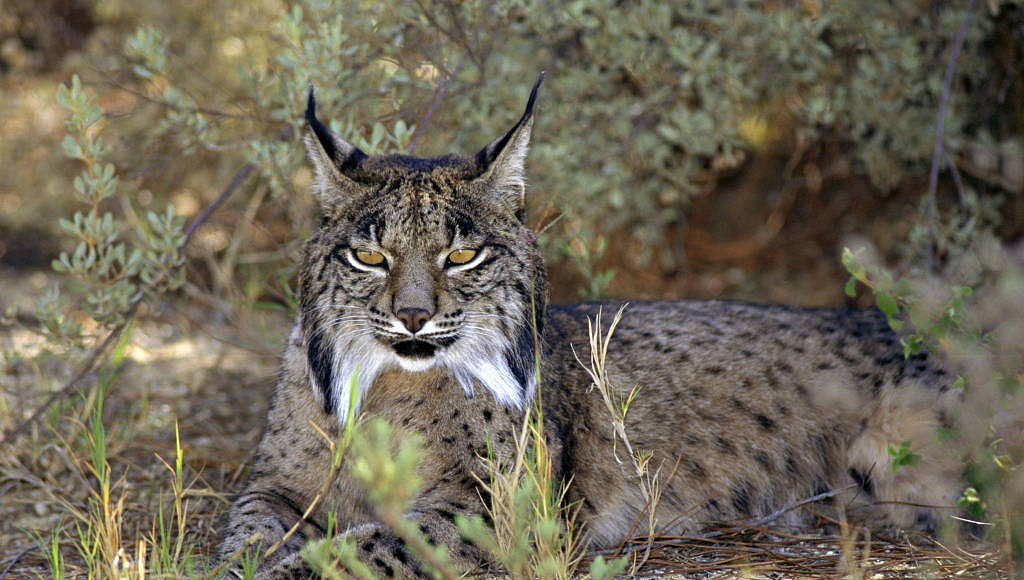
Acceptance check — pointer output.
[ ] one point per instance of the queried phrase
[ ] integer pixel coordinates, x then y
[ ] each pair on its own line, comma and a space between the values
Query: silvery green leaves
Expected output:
163, 259
323, 45
148, 48
110, 273
148, 55
936, 314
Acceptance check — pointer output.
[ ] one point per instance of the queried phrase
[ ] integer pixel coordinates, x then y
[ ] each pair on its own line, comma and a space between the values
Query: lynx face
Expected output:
421, 263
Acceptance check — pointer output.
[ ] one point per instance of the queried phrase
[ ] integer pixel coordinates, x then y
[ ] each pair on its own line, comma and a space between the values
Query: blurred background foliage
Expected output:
707, 148
655, 115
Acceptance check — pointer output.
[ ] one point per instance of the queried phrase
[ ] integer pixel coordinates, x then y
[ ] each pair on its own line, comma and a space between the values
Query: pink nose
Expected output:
413, 318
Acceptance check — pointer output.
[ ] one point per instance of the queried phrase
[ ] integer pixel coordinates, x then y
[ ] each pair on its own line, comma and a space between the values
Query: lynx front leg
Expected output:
259, 519
388, 556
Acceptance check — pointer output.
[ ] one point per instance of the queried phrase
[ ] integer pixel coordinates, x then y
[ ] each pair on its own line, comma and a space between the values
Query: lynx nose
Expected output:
413, 318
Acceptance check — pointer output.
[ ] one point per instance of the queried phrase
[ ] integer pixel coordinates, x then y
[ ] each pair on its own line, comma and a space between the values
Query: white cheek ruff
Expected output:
482, 364
485, 363
362, 362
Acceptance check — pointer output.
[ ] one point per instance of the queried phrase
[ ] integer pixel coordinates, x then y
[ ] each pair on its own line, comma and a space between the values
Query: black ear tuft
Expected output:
533, 94
487, 156
333, 158
502, 164
323, 134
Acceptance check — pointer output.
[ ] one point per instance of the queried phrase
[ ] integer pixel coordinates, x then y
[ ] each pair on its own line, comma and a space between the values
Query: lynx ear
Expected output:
503, 162
333, 158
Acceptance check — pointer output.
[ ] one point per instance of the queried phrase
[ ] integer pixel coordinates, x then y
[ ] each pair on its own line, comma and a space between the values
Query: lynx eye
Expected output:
370, 258
463, 256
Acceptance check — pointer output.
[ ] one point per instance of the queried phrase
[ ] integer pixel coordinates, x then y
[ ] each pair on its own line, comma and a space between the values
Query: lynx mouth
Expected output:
415, 349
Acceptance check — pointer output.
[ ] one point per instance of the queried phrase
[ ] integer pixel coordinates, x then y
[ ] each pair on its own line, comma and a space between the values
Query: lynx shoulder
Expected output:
424, 291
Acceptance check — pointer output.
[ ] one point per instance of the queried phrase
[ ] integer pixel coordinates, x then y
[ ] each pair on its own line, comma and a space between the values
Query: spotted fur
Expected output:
749, 407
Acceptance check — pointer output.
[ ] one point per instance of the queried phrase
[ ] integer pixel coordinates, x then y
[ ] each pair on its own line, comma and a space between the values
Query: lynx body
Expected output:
424, 285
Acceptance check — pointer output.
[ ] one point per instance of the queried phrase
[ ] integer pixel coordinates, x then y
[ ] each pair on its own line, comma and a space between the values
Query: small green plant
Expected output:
50, 547
585, 258
390, 478
901, 455
532, 532
601, 569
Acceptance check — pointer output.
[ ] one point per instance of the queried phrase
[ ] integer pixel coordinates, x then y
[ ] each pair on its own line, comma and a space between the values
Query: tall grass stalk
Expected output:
617, 403
533, 531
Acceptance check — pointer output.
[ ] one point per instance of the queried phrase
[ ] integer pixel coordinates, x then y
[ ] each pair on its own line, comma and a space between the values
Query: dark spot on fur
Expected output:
387, 570
876, 387
762, 458
740, 499
766, 422
800, 389
791, 466
696, 469
944, 420
863, 480
725, 445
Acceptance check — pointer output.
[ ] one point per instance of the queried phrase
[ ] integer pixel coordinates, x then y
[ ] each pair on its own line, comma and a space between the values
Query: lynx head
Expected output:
421, 263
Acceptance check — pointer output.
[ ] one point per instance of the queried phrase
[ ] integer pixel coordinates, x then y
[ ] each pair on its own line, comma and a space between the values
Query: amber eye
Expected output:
370, 258
461, 256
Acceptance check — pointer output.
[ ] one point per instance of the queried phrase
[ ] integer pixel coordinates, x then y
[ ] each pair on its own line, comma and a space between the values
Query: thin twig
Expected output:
814, 498
940, 121
86, 367
958, 181
235, 182
439, 94
97, 353
17, 557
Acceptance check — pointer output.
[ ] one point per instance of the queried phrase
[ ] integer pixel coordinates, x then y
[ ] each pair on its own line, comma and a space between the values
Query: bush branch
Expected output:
940, 121
98, 353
